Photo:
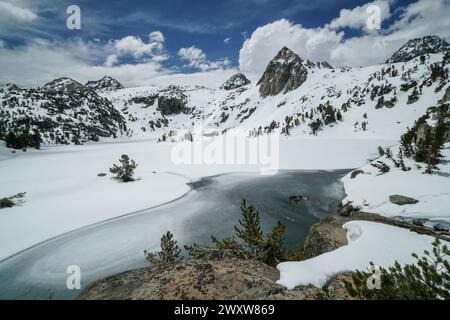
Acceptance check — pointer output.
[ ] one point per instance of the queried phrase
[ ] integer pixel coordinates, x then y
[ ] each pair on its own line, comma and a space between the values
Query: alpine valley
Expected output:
364, 135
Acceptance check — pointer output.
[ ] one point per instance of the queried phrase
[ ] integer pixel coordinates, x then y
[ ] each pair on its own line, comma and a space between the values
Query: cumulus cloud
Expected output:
421, 18
266, 41
156, 36
134, 45
196, 58
357, 17
111, 60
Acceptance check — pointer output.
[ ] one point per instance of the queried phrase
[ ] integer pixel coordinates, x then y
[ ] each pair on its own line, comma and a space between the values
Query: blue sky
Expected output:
203, 23
194, 31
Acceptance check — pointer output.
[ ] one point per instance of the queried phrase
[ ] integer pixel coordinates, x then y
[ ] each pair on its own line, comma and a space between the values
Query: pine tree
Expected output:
250, 231
249, 241
427, 279
400, 161
125, 171
170, 252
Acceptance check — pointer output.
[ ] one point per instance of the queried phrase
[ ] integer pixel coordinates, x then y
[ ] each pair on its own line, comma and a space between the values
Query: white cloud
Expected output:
41, 61
266, 41
8, 10
356, 18
421, 18
111, 60
227, 40
134, 45
196, 58
156, 36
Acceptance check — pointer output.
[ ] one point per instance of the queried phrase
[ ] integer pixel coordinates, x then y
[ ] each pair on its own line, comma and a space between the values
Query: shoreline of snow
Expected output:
370, 191
368, 242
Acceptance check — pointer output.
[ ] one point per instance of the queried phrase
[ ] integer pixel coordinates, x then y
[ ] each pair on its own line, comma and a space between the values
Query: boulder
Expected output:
402, 200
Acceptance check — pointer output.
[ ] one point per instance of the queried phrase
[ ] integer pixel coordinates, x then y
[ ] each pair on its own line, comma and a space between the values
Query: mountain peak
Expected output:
285, 72
63, 84
417, 47
235, 81
106, 83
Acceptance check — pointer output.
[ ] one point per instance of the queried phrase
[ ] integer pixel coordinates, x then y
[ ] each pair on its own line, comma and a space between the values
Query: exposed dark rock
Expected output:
355, 173
284, 73
63, 84
417, 47
440, 228
104, 84
236, 81
402, 200
296, 199
101, 174
172, 101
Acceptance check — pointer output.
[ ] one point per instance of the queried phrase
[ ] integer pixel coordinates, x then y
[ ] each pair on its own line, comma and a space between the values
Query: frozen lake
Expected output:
210, 208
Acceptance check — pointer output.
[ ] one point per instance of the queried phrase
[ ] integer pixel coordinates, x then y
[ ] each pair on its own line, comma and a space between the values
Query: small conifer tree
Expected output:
170, 252
125, 170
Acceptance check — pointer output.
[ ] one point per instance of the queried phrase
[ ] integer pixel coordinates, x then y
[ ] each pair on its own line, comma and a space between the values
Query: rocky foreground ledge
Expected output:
232, 278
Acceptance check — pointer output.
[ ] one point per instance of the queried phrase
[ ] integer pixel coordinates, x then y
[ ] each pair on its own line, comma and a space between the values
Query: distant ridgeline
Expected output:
297, 96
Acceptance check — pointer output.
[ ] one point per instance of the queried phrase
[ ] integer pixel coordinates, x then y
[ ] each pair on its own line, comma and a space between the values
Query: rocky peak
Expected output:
417, 47
236, 81
285, 72
63, 84
8, 87
104, 84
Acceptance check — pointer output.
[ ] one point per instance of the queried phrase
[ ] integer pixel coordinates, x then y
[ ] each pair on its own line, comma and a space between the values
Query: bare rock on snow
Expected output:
402, 200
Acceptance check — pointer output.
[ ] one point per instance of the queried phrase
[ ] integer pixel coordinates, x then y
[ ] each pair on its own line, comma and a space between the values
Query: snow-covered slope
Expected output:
63, 111
372, 102
300, 97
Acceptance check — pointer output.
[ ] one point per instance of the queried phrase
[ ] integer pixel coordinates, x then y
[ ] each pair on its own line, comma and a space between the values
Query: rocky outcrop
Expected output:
284, 73
104, 84
239, 279
172, 100
417, 47
222, 279
63, 84
236, 81
402, 200
325, 236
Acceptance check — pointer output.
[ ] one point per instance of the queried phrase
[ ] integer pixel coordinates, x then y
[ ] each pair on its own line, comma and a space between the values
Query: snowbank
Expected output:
371, 191
367, 241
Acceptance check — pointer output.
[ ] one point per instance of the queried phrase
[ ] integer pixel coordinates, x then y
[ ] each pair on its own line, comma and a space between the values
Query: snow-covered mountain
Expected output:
236, 81
63, 111
417, 47
104, 84
299, 96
